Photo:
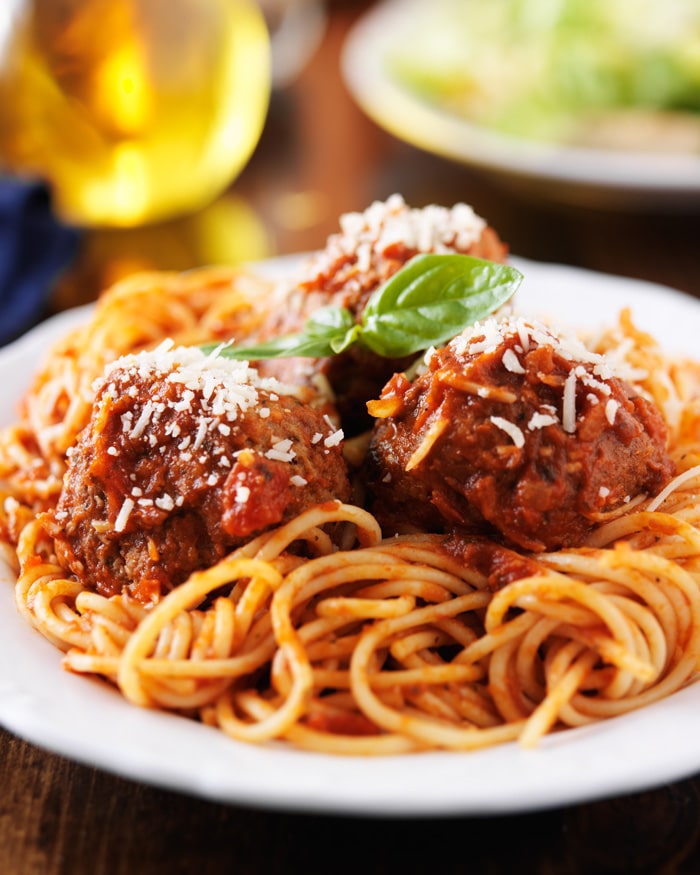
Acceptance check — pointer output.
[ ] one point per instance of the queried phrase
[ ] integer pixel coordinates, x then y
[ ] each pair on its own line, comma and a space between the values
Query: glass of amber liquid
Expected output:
134, 111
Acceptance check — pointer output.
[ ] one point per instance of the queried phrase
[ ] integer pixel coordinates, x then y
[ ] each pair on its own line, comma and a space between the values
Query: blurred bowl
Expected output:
586, 174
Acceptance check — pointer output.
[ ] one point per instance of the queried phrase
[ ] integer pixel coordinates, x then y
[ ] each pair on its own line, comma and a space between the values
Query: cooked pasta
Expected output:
391, 645
326, 631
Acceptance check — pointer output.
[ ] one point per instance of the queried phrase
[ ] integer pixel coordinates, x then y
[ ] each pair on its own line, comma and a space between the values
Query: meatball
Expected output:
370, 248
186, 457
515, 432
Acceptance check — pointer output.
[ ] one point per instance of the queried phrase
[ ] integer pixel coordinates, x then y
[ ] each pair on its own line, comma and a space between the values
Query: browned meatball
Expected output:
184, 458
515, 432
369, 249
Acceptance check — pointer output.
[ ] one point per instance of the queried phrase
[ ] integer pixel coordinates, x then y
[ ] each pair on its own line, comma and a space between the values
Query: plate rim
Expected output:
416, 121
567, 768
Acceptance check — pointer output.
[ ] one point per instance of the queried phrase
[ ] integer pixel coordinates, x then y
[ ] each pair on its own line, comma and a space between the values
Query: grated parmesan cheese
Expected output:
216, 391
589, 369
511, 362
568, 404
611, 408
333, 440
511, 429
281, 451
365, 238
123, 515
242, 494
541, 420
214, 394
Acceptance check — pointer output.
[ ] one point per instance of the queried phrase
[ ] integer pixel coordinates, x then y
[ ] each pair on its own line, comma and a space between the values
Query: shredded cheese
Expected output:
568, 404
511, 429
123, 515
214, 394
367, 236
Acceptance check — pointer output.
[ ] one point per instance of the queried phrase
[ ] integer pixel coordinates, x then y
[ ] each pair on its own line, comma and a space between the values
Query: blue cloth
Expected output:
35, 247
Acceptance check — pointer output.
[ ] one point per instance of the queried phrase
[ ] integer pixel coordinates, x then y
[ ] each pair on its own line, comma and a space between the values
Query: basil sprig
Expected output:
426, 303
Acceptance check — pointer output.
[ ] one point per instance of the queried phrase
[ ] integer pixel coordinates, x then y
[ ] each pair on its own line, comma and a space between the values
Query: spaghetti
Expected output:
322, 631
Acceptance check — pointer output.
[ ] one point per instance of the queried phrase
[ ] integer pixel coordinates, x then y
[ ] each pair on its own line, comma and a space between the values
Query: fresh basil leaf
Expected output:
329, 320
426, 303
432, 299
334, 324
340, 344
328, 331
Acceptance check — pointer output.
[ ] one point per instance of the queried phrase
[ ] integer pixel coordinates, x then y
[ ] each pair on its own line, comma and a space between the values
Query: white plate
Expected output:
88, 721
576, 174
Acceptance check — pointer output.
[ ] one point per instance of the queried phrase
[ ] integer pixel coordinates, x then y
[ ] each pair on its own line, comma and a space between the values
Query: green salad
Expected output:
592, 72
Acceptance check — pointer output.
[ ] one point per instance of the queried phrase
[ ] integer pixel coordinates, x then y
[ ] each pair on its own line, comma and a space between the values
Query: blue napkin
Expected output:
35, 247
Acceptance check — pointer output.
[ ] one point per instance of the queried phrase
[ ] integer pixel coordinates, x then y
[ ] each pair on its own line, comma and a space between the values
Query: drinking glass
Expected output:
133, 111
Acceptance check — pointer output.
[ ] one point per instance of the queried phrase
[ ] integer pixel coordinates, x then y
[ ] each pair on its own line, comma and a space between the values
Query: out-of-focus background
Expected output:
176, 133
169, 134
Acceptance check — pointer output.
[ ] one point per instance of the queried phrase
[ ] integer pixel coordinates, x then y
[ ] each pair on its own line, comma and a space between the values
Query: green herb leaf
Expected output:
327, 332
426, 303
432, 299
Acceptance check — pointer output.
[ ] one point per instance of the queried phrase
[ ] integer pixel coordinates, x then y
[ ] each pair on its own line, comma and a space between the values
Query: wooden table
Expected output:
319, 157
